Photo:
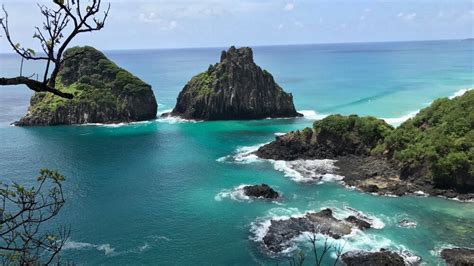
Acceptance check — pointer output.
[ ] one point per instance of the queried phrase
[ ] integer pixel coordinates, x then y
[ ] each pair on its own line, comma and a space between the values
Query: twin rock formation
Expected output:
235, 88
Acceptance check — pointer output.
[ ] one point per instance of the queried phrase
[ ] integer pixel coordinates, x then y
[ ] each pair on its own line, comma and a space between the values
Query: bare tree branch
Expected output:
54, 37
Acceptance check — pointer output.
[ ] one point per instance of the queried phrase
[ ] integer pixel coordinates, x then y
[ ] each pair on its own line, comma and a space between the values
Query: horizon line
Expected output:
261, 45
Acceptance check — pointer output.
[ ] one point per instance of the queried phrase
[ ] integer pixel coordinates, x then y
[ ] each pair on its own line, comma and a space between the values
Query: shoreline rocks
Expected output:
458, 256
103, 93
281, 232
234, 89
365, 258
358, 144
261, 191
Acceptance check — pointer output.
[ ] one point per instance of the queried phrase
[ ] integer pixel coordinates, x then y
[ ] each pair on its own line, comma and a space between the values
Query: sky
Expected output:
150, 24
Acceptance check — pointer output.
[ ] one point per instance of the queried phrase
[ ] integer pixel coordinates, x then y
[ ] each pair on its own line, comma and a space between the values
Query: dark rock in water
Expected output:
358, 222
407, 223
261, 191
282, 232
103, 93
458, 256
363, 258
235, 88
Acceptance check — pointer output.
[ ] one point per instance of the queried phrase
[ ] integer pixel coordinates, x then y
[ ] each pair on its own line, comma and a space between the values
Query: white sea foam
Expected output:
356, 240
396, 121
118, 124
143, 247
460, 93
236, 193
163, 112
312, 115
279, 134
307, 170
298, 170
106, 248
260, 227
375, 221
243, 155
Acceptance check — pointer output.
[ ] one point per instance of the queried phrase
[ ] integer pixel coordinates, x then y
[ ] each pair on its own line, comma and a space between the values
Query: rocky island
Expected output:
458, 256
263, 191
103, 93
234, 89
430, 153
282, 231
382, 257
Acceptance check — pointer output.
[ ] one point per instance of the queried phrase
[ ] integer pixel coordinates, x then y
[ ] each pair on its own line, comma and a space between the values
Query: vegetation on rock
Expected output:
436, 147
235, 88
362, 133
438, 142
103, 93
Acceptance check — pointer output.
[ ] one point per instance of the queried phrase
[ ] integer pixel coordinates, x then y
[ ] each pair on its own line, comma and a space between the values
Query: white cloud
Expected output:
148, 17
367, 10
289, 7
298, 24
407, 16
170, 25
280, 27
163, 24
362, 17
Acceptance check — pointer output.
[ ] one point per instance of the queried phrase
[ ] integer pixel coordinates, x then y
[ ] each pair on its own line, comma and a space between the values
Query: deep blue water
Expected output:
157, 192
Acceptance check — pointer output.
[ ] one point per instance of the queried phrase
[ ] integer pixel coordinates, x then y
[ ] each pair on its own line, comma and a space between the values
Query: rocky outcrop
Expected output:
375, 157
261, 191
235, 88
364, 258
458, 256
103, 93
281, 232
332, 137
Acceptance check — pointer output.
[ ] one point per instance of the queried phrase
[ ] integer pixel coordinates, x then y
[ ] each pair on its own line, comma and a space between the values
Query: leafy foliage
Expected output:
202, 82
440, 139
438, 143
93, 79
368, 131
23, 213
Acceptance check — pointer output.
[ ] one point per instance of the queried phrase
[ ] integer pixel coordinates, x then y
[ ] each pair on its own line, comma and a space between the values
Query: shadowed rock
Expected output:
363, 258
235, 88
458, 256
261, 191
281, 232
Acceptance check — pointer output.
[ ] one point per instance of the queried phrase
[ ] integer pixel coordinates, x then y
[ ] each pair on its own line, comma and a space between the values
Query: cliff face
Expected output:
235, 88
103, 93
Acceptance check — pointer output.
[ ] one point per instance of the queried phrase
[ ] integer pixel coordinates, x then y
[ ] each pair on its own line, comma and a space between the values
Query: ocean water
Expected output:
162, 192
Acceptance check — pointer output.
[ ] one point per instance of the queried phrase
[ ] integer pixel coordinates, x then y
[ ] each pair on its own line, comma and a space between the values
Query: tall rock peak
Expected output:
235, 88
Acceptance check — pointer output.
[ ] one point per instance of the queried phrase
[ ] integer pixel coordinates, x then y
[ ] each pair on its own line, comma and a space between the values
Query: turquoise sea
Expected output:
161, 192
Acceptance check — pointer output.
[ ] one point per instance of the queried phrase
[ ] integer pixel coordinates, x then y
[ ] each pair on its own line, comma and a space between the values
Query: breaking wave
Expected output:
396, 121
106, 248
312, 115
357, 240
303, 171
236, 193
